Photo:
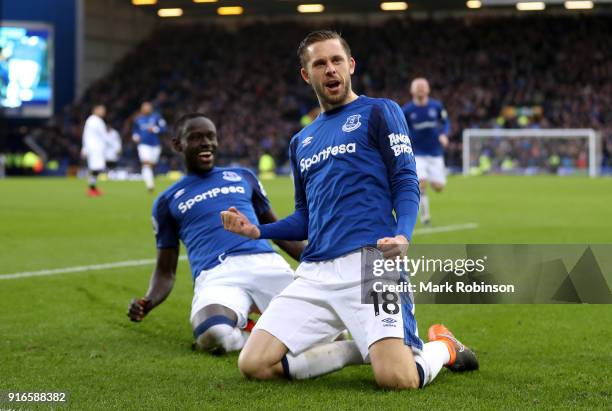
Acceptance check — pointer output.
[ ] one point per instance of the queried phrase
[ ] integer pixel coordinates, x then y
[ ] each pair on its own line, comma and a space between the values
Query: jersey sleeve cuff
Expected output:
264, 232
293, 228
406, 223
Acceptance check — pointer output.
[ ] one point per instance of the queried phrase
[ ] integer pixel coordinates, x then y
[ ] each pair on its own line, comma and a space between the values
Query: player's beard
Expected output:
333, 99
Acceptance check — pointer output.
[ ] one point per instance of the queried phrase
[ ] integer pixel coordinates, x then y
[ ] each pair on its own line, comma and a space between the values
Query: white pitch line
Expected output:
446, 228
82, 268
135, 263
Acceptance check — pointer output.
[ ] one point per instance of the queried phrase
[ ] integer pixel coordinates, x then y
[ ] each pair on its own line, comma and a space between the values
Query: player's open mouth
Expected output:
205, 156
333, 85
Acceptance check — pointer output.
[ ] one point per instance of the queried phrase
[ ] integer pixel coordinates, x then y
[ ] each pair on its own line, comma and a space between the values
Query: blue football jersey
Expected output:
426, 123
148, 128
190, 210
353, 166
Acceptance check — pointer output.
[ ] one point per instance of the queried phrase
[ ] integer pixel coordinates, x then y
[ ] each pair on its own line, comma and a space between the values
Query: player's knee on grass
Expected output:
262, 356
393, 365
395, 375
396, 379
216, 339
255, 367
214, 329
252, 367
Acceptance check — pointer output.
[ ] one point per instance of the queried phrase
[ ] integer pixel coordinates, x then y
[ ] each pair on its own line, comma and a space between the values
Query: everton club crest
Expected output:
352, 123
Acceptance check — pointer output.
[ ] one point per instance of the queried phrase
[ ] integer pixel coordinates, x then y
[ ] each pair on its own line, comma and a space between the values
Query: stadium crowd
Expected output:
247, 80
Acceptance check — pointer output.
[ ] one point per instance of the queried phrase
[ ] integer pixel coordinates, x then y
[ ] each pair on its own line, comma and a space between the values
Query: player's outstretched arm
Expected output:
293, 248
162, 281
238, 223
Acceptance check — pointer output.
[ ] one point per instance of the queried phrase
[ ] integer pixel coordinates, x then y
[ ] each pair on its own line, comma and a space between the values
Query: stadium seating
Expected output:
247, 79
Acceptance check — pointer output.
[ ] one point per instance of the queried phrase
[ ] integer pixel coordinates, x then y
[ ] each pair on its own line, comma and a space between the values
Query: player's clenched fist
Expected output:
238, 223
393, 246
138, 308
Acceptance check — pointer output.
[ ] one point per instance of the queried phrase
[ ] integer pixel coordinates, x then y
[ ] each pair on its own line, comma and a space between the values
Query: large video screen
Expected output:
26, 69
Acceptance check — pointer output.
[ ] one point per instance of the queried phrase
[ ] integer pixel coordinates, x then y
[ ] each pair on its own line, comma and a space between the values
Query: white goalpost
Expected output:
531, 151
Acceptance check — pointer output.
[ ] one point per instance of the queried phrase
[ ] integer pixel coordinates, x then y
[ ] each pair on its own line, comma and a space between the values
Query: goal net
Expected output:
531, 151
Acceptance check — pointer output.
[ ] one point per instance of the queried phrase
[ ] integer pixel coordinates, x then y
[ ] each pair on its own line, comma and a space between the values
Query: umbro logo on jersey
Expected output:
352, 123
389, 322
179, 193
307, 141
231, 176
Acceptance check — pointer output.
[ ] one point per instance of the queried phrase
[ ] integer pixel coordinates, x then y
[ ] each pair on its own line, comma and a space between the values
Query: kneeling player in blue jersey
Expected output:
429, 127
353, 166
230, 273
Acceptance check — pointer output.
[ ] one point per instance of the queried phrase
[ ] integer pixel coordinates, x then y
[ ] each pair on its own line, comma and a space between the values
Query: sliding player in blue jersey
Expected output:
429, 127
230, 273
147, 127
353, 167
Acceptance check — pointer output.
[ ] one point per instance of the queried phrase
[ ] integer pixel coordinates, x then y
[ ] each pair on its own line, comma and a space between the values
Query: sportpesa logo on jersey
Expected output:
324, 154
212, 193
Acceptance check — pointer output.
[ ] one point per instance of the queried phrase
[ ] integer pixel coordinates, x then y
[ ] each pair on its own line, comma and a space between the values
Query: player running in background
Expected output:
94, 146
352, 166
230, 273
429, 127
148, 125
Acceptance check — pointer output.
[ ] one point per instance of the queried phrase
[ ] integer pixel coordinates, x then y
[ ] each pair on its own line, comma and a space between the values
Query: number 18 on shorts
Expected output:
386, 292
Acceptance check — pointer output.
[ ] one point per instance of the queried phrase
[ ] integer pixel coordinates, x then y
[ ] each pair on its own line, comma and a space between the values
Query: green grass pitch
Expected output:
70, 332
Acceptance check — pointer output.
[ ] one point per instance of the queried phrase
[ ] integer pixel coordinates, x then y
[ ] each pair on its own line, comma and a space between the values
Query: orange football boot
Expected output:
461, 357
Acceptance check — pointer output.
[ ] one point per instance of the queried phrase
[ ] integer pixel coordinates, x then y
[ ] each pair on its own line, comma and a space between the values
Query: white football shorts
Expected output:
149, 154
96, 161
241, 280
325, 299
431, 168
